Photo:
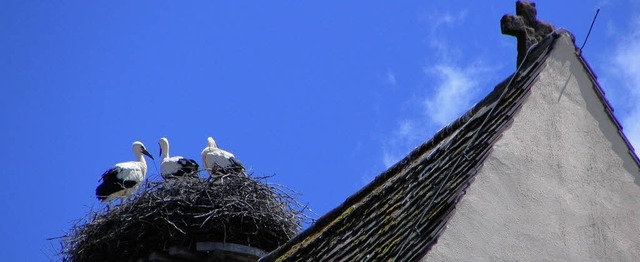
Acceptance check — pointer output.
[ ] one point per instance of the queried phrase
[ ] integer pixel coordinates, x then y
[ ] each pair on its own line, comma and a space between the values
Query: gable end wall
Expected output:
559, 185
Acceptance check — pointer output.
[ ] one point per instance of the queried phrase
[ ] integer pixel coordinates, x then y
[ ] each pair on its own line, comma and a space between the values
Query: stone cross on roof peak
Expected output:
525, 27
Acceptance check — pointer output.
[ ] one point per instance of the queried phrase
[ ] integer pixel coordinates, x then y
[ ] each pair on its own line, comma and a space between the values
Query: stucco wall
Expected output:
559, 185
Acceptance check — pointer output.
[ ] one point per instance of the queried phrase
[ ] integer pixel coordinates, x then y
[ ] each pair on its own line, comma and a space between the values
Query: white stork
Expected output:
123, 179
175, 166
215, 159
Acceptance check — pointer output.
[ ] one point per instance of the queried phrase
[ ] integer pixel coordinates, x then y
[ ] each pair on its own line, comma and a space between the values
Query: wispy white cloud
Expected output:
391, 77
456, 87
612, 30
625, 73
441, 25
453, 86
395, 146
602, 3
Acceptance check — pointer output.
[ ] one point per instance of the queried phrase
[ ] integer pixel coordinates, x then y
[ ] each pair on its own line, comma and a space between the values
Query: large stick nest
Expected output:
182, 211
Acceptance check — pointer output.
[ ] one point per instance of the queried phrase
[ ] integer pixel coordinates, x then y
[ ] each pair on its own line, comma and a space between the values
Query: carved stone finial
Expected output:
525, 27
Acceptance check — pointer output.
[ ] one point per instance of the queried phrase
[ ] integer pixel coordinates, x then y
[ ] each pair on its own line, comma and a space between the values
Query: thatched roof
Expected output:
181, 212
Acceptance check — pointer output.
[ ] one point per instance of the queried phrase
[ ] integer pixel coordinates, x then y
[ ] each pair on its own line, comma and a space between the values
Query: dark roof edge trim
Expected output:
607, 105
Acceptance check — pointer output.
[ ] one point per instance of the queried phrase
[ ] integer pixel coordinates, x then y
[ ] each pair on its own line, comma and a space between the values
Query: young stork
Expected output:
175, 166
123, 179
215, 159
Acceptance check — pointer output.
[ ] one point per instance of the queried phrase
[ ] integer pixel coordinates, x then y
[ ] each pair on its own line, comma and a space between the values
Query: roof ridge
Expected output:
422, 157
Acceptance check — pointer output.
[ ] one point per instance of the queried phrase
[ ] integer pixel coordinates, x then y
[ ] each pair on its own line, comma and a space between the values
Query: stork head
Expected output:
164, 147
212, 143
138, 148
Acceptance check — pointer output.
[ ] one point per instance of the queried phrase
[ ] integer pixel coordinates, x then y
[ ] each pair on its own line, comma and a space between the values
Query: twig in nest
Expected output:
174, 225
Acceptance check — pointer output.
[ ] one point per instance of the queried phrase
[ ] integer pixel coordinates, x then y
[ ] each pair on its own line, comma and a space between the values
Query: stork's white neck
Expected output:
140, 157
165, 150
143, 162
211, 143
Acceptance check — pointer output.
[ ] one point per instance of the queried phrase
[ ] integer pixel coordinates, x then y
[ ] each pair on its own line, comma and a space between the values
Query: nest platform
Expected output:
182, 215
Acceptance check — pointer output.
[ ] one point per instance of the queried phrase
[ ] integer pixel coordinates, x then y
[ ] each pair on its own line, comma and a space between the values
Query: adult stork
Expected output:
175, 166
216, 159
123, 179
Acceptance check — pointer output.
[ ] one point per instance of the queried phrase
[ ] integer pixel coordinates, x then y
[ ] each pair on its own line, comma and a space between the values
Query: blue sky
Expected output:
323, 95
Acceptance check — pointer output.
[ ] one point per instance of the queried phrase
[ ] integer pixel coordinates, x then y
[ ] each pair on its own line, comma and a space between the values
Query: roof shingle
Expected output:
403, 211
